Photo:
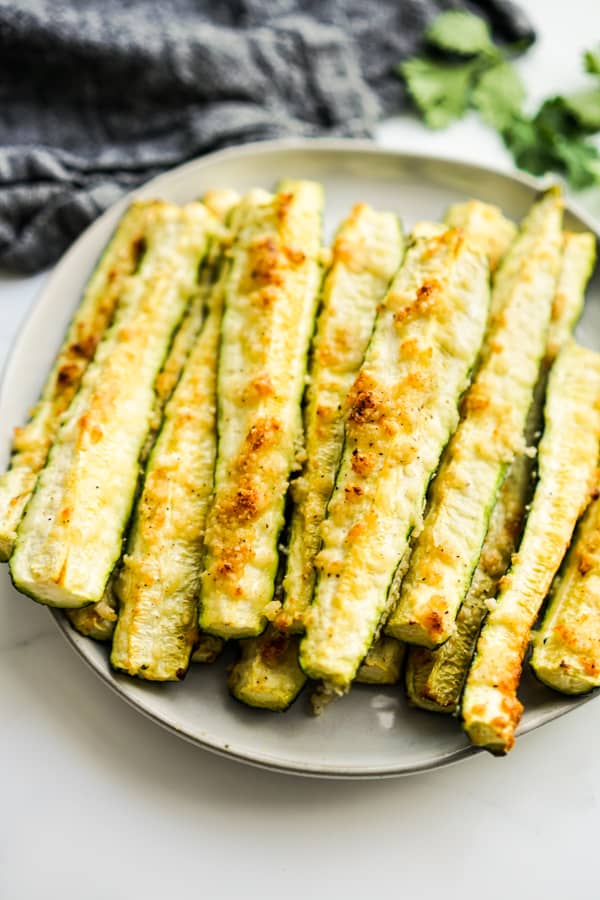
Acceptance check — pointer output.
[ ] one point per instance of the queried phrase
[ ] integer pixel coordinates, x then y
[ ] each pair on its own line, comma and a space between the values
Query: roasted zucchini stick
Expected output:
383, 662
489, 435
402, 408
567, 464
435, 678
270, 301
159, 580
566, 648
366, 254
99, 619
100, 299
70, 537
267, 674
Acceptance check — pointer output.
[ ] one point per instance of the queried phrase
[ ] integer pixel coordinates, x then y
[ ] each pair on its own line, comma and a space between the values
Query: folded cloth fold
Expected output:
97, 96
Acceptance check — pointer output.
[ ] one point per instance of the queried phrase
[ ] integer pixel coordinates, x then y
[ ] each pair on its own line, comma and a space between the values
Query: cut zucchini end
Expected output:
208, 649
7, 544
491, 718
267, 675
338, 677
383, 663
155, 670
90, 625
49, 594
419, 691
563, 678
412, 632
239, 629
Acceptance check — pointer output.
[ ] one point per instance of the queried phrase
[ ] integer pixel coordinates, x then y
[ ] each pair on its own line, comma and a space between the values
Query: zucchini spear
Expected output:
98, 620
271, 292
567, 460
366, 253
159, 580
70, 537
566, 647
489, 435
402, 408
101, 298
435, 678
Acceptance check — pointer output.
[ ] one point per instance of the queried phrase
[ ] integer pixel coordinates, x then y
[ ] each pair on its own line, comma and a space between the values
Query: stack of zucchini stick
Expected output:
323, 457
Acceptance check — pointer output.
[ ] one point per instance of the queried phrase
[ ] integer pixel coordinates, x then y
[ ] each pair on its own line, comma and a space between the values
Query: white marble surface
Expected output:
99, 803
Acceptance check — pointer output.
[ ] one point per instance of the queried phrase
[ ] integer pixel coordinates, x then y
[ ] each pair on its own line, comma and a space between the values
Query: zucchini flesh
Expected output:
383, 662
487, 227
366, 254
270, 301
267, 674
207, 649
159, 580
566, 647
402, 408
98, 620
91, 319
70, 537
435, 678
567, 461
489, 435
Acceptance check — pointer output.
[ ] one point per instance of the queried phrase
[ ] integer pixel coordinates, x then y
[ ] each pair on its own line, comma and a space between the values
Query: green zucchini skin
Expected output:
70, 537
270, 302
403, 407
435, 678
489, 436
100, 300
567, 461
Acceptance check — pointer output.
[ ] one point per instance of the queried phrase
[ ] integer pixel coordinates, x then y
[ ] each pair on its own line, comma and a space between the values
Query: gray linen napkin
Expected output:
97, 96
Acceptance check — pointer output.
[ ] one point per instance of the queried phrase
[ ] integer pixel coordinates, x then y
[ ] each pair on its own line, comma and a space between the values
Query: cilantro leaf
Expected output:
584, 106
531, 152
591, 61
499, 95
460, 32
552, 141
580, 161
441, 90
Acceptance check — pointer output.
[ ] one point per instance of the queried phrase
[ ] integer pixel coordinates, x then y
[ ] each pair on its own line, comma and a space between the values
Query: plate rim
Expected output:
259, 148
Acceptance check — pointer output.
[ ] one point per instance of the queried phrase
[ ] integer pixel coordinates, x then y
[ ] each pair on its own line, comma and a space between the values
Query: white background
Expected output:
97, 802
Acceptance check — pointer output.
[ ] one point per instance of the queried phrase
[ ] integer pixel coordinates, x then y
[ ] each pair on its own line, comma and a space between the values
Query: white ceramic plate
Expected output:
371, 732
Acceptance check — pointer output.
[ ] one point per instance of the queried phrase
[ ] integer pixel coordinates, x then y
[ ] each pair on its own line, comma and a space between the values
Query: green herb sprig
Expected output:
462, 68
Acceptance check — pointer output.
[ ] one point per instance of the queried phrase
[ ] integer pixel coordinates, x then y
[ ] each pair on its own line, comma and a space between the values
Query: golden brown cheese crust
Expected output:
270, 301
